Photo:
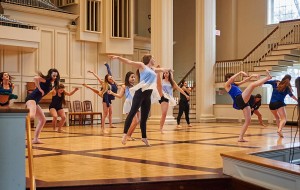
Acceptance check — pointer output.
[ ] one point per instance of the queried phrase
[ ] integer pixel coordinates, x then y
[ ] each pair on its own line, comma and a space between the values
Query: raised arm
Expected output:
98, 78
139, 65
247, 79
120, 94
162, 70
71, 93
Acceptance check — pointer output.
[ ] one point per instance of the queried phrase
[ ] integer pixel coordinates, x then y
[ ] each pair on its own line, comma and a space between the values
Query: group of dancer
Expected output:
151, 88
249, 104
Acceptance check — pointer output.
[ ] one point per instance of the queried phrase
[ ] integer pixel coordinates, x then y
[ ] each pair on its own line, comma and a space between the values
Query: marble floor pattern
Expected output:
83, 155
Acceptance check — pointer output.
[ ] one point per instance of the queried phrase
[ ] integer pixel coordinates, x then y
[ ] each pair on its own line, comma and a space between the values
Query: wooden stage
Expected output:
83, 157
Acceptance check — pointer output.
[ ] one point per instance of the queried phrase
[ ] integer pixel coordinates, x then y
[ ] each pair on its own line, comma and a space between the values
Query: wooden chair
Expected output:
89, 113
77, 110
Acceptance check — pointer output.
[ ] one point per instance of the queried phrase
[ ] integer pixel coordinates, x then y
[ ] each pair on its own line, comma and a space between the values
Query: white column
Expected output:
162, 46
205, 59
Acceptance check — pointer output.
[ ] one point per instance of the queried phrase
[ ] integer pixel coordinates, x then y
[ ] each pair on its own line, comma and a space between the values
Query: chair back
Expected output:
68, 105
87, 106
77, 106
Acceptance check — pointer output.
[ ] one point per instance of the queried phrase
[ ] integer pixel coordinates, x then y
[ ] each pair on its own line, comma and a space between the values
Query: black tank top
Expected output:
183, 98
56, 101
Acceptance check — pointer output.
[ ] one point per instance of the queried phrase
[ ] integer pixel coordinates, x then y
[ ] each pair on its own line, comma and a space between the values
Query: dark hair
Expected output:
127, 76
285, 83
9, 79
228, 75
146, 59
257, 96
181, 84
169, 78
48, 76
61, 86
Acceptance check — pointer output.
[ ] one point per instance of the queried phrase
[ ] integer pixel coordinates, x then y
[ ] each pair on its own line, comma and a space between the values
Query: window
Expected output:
121, 18
281, 10
93, 15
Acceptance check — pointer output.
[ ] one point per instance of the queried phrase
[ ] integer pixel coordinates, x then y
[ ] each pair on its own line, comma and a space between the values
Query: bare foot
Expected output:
112, 127
268, 74
280, 134
60, 130
124, 139
131, 139
146, 142
190, 125
37, 141
161, 131
179, 126
242, 140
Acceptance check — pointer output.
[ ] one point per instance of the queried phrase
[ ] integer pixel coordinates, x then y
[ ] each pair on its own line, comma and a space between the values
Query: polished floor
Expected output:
83, 155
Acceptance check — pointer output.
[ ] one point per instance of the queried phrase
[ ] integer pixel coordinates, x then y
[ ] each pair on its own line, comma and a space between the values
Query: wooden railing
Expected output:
287, 32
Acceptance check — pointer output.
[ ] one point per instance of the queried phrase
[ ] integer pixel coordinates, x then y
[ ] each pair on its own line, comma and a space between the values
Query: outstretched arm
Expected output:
71, 93
98, 78
231, 80
139, 65
162, 70
247, 79
181, 90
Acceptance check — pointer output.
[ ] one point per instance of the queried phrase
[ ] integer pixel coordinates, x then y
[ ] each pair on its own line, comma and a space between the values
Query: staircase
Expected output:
277, 52
190, 78
279, 60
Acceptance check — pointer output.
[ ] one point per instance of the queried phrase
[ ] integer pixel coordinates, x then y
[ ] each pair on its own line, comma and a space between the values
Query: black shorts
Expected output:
163, 99
56, 108
240, 102
276, 105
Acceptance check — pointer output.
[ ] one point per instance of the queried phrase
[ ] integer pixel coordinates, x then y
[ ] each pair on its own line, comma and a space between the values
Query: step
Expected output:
288, 46
263, 73
278, 62
270, 68
282, 57
286, 51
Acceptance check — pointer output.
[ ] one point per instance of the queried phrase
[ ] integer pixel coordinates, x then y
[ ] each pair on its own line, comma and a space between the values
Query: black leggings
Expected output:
184, 107
140, 100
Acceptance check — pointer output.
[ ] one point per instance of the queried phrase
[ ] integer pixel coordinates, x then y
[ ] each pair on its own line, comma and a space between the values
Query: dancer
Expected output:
184, 105
55, 107
166, 92
277, 105
142, 92
43, 87
241, 99
255, 103
6, 89
129, 82
108, 84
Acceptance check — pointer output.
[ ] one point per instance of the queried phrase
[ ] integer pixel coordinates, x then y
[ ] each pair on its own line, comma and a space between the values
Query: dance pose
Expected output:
142, 92
255, 103
165, 89
43, 87
184, 105
241, 99
277, 105
129, 82
6, 89
107, 84
55, 107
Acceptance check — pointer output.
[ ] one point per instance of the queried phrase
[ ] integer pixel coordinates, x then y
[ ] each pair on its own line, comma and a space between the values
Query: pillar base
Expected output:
207, 119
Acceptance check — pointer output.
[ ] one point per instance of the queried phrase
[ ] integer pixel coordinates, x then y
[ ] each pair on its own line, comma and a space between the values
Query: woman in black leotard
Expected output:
43, 87
55, 107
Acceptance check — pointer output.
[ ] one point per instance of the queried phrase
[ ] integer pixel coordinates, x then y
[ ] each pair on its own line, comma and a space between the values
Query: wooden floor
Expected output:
82, 155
